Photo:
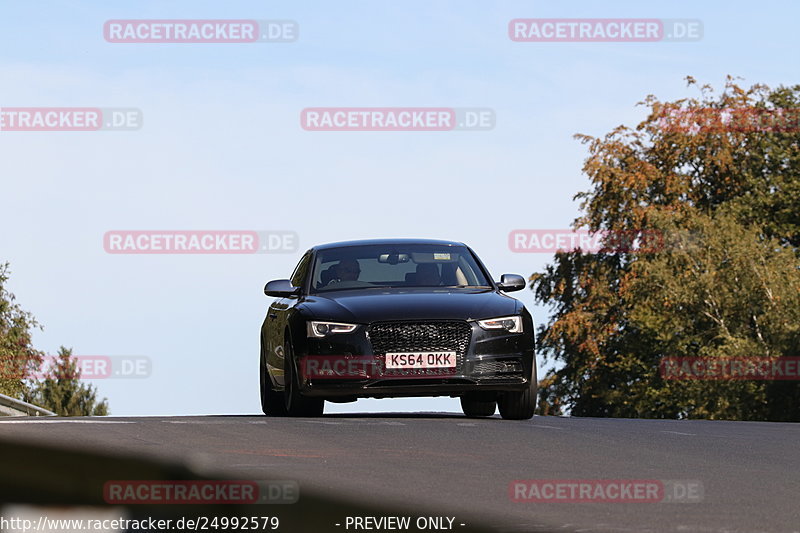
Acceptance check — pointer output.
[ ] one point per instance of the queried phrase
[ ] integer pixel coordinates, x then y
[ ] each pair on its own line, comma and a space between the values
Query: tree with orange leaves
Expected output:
718, 179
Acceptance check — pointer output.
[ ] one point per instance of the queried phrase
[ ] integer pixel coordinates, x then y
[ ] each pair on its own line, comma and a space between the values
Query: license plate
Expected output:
421, 360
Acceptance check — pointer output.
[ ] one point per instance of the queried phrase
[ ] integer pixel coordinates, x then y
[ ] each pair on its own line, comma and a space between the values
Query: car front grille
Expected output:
426, 336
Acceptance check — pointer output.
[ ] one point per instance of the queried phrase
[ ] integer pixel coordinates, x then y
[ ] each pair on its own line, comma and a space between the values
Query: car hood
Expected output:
365, 306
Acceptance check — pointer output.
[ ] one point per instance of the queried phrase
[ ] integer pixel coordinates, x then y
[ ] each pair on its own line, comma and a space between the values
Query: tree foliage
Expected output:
18, 358
62, 391
724, 282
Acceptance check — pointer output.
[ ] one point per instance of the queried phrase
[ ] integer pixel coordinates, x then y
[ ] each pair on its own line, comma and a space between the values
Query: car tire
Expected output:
519, 405
295, 403
476, 405
271, 400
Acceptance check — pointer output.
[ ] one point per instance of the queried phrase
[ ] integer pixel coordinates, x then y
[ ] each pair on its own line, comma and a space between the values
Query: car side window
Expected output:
299, 274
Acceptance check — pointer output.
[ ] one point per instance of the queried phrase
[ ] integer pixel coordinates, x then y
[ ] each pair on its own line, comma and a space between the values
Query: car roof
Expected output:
368, 242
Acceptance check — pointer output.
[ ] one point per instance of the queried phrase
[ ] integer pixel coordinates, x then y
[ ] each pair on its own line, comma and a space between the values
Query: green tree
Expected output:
18, 358
724, 282
62, 391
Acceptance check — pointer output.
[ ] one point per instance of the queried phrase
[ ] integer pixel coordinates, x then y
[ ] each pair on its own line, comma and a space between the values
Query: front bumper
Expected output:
345, 365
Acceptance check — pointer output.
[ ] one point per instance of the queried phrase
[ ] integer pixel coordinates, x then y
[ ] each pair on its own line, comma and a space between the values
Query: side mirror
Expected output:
511, 283
280, 288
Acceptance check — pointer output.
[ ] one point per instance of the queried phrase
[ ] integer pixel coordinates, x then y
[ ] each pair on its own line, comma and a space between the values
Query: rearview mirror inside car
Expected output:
393, 259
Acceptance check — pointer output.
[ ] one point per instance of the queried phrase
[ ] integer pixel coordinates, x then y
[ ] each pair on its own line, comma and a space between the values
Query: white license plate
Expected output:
421, 360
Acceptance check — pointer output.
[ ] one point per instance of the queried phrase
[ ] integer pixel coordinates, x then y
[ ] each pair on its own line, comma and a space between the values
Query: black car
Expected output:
392, 318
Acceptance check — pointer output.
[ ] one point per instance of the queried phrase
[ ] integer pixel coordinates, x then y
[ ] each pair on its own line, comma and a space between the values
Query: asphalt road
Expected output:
448, 465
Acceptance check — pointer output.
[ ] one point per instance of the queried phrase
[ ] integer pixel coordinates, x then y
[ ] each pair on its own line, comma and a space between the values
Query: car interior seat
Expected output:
326, 276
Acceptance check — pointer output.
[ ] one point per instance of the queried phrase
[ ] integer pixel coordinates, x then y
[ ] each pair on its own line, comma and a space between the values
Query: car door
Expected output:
278, 316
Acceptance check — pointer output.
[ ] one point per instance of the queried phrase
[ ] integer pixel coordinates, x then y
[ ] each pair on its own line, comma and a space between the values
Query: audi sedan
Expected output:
396, 318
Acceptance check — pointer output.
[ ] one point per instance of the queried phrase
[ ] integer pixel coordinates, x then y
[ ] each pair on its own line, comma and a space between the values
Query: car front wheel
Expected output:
477, 405
271, 400
297, 404
519, 405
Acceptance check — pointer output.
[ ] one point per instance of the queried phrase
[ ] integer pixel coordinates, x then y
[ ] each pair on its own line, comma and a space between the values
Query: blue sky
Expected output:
222, 148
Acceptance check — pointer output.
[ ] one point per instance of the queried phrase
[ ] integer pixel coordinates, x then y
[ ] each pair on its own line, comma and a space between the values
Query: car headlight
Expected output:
323, 329
512, 324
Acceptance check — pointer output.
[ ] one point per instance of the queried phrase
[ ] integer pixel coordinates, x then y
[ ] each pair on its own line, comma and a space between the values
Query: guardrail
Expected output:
12, 407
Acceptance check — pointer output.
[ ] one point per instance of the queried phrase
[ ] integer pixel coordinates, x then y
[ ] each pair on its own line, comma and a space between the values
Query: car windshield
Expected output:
396, 265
